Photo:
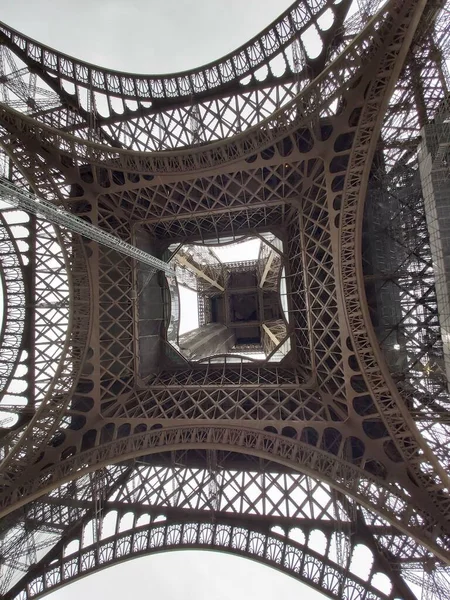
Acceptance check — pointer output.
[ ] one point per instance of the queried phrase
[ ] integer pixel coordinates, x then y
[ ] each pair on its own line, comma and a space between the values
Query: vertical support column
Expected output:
435, 177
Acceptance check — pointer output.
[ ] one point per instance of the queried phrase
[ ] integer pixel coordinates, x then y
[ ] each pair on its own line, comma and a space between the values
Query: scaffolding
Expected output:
435, 179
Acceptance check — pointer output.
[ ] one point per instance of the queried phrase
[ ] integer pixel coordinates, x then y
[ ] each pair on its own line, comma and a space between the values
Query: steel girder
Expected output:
156, 113
331, 411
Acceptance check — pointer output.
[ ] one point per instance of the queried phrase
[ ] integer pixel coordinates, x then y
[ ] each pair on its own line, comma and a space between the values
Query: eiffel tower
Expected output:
307, 417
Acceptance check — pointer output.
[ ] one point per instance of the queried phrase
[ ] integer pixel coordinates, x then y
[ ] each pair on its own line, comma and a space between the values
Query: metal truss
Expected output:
157, 113
286, 555
272, 508
46, 358
14, 196
13, 304
339, 442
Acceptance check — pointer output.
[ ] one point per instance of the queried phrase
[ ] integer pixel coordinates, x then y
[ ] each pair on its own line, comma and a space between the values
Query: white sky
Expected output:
248, 250
159, 36
187, 575
188, 309
149, 36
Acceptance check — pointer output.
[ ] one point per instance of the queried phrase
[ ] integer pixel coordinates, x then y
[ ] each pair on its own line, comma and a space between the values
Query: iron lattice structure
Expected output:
113, 444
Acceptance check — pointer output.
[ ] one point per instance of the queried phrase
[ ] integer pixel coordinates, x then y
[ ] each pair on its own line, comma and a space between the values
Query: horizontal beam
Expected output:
272, 336
184, 262
58, 215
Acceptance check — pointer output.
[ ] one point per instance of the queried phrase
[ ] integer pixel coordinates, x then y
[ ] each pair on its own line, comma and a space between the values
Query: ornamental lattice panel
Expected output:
114, 441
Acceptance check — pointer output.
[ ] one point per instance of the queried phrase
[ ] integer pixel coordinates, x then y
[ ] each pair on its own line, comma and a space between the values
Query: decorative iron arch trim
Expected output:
388, 500
14, 317
22, 447
276, 551
373, 365
217, 75
311, 101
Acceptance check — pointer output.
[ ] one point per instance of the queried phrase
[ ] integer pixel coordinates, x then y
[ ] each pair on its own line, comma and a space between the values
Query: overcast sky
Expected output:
149, 36
160, 36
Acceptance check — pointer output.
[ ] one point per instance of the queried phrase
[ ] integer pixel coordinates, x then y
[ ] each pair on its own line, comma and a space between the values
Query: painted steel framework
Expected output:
32, 204
296, 464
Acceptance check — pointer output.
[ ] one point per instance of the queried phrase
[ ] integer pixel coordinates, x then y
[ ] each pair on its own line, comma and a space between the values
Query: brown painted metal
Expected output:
329, 439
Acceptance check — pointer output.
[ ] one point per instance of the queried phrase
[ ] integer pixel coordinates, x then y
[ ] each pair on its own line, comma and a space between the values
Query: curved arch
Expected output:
216, 75
65, 370
277, 551
120, 97
374, 368
14, 290
388, 500
315, 99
